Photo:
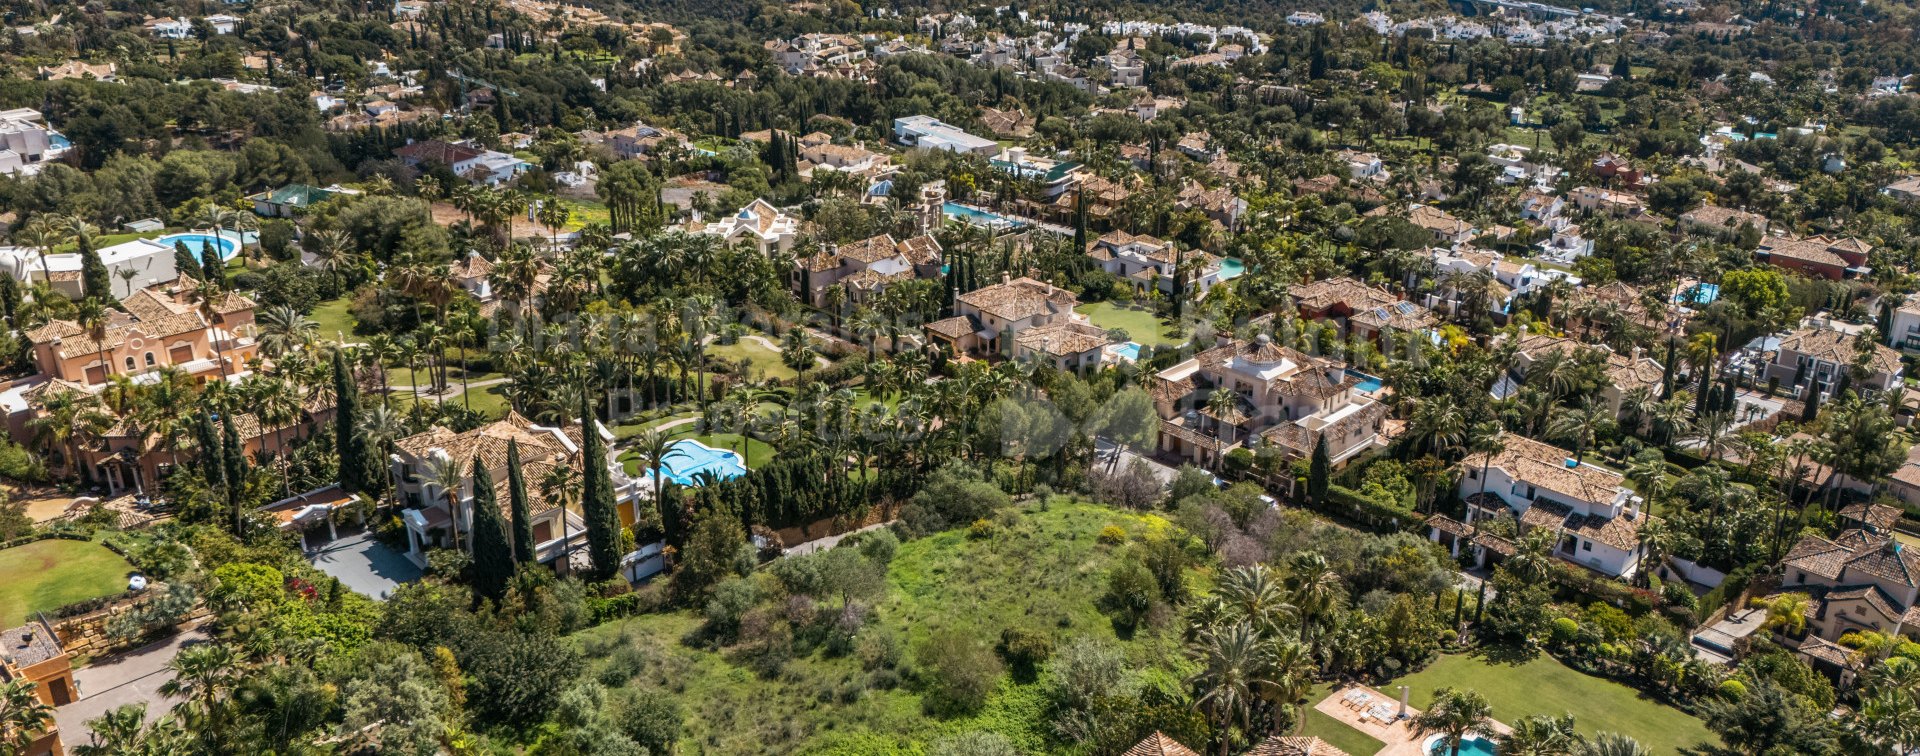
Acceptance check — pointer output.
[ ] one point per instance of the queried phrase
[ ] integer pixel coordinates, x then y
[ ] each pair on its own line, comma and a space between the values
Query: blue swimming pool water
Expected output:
1368, 383
198, 243
1129, 350
966, 214
1231, 268
1472, 745
1702, 294
687, 458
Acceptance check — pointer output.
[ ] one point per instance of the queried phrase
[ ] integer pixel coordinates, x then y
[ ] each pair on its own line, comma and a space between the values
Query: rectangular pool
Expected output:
1368, 383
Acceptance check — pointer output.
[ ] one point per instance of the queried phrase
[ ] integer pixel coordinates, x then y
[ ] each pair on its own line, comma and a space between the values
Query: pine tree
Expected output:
347, 442
9, 298
95, 280
517, 501
184, 263
1318, 473
493, 562
596, 499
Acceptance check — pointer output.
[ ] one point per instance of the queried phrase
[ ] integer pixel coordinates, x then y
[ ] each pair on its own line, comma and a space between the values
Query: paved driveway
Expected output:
365, 565
129, 678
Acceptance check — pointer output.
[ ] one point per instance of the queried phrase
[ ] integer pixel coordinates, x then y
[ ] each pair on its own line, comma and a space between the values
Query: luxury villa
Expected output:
556, 531
989, 320
1149, 263
1283, 397
1596, 518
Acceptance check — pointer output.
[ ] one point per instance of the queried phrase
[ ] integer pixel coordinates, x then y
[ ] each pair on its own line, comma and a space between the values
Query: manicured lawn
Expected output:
1140, 324
1043, 572
334, 319
45, 575
403, 376
1338, 734
490, 401
1545, 686
761, 360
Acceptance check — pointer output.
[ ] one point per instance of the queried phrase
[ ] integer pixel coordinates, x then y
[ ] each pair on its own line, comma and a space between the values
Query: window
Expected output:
130, 362
1473, 475
1586, 545
149, 359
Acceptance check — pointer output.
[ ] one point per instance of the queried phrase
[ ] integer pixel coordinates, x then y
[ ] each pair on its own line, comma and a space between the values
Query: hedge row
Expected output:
1352, 505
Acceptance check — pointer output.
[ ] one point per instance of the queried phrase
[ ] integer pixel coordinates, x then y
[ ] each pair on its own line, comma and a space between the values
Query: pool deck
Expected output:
1400, 737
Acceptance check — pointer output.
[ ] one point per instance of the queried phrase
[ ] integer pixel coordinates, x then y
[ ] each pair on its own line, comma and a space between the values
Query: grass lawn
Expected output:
1545, 686
404, 376
334, 318
1140, 324
1043, 572
490, 401
755, 451
760, 360
1338, 734
45, 575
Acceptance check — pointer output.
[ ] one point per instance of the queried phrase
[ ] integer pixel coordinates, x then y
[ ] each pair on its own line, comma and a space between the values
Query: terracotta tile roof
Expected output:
954, 327
1855, 553
1723, 217
868, 279
1158, 744
1628, 374
871, 250
1544, 465
1405, 316
1447, 524
1309, 376
487, 442
1294, 745
1878, 516
1435, 219
475, 265
1354, 295
921, 250
1063, 339
1837, 347
1019, 299
1816, 647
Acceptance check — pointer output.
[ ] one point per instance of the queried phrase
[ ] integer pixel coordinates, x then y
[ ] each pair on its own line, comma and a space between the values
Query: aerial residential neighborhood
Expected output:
627, 378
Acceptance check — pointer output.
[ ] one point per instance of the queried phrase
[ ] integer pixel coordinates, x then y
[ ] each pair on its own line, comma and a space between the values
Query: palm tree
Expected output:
202, 676
22, 715
124, 731
448, 474
1255, 594
1486, 440
283, 329
1315, 589
657, 446
1611, 744
1455, 714
1786, 612
42, 232
1541, 735
1235, 672
1580, 425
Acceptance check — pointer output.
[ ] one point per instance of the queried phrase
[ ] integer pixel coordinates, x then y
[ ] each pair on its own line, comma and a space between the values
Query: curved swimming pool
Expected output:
687, 458
198, 243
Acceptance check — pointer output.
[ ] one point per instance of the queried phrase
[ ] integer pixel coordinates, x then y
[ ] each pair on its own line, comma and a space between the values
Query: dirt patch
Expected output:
446, 214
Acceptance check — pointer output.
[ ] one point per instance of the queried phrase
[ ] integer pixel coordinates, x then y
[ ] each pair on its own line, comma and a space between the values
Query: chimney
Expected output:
1633, 507
1636, 353
1006, 277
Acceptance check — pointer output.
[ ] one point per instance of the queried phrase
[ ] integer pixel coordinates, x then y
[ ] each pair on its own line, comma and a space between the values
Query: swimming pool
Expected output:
1368, 383
1231, 268
687, 458
198, 243
1701, 294
1471, 745
977, 217
1129, 351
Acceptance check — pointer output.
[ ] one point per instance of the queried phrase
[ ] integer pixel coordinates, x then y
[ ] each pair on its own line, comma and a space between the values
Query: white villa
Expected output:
759, 224
1145, 261
1596, 518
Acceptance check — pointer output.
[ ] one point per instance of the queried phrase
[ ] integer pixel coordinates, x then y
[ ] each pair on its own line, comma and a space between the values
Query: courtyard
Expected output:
365, 565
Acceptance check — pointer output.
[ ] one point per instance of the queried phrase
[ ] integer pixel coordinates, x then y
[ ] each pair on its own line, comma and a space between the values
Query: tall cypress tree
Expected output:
184, 263
236, 460
213, 455
1319, 472
212, 268
493, 563
347, 442
596, 498
95, 279
517, 499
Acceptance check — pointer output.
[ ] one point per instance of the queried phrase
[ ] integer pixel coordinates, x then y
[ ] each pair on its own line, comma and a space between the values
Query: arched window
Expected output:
130, 362
149, 359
